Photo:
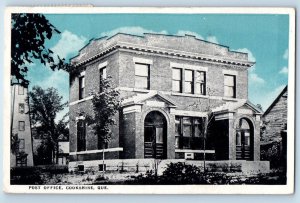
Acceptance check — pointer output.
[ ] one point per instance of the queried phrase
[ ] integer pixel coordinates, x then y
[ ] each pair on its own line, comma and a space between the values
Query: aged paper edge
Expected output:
157, 189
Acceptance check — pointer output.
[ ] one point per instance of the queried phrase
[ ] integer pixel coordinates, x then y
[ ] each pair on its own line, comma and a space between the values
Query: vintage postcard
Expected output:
149, 100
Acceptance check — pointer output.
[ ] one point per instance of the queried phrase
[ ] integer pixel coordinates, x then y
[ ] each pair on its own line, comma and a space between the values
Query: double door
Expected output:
243, 145
155, 141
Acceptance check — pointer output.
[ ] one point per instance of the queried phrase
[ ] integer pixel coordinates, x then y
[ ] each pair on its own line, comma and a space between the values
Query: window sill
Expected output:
141, 90
195, 151
116, 149
189, 95
229, 99
81, 100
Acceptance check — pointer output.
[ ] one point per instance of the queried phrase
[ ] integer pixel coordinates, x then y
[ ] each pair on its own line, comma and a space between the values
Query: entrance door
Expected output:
155, 136
244, 141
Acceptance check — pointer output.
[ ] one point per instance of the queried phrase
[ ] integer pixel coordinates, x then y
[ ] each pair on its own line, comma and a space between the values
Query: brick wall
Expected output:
92, 76
91, 138
128, 135
161, 74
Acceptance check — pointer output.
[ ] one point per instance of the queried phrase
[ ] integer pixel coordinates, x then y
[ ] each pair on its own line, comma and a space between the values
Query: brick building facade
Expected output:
169, 86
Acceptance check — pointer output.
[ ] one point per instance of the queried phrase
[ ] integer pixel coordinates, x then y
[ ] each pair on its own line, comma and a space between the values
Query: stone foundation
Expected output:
143, 165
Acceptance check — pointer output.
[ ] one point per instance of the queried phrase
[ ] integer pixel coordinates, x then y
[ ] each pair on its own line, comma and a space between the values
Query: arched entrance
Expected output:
155, 135
244, 140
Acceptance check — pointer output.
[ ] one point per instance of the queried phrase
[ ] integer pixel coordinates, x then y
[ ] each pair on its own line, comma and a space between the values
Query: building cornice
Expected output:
167, 52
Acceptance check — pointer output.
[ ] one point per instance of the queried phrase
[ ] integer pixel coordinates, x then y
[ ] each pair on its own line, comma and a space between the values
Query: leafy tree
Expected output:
15, 141
106, 104
44, 106
28, 36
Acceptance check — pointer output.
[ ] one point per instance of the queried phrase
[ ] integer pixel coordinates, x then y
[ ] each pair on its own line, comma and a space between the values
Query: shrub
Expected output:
100, 177
271, 153
55, 169
181, 173
26, 176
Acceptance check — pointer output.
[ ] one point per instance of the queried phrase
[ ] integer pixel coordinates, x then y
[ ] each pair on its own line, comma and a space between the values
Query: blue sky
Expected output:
263, 37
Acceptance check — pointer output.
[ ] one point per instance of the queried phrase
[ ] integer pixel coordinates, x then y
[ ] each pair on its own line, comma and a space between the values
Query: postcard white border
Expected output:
149, 189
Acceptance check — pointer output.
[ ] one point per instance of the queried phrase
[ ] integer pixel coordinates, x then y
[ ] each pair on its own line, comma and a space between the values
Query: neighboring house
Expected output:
168, 84
63, 150
20, 127
274, 136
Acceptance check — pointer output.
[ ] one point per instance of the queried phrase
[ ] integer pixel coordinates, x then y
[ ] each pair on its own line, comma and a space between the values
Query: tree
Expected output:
105, 104
28, 36
44, 106
15, 142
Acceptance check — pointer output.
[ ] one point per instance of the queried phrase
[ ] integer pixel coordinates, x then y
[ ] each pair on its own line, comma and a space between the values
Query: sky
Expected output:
263, 36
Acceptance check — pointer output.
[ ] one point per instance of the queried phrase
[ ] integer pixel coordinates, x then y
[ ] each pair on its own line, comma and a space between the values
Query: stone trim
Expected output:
132, 109
188, 113
224, 116
81, 100
189, 95
142, 60
230, 72
131, 89
80, 118
82, 73
164, 51
195, 151
102, 65
231, 99
116, 149
187, 66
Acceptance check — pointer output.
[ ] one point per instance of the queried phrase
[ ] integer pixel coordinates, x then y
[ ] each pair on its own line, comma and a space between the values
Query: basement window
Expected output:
101, 167
81, 168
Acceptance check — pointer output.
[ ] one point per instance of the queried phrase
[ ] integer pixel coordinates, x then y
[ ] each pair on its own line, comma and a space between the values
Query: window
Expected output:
247, 138
21, 108
142, 78
81, 168
188, 133
177, 132
103, 73
197, 127
22, 144
81, 87
200, 83
21, 125
229, 86
238, 139
102, 76
20, 90
194, 81
81, 133
176, 80
188, 83
159, 134
101, 167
